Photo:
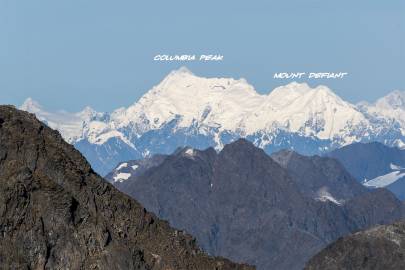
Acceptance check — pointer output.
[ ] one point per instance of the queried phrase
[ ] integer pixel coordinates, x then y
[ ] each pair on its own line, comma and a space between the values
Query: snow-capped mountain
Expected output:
391, 107
185, 109
71, 125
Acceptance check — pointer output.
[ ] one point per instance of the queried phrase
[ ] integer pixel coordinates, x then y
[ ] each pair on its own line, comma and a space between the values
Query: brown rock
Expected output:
56, 213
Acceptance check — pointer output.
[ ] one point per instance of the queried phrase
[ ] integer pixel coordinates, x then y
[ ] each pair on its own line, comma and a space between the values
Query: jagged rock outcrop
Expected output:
381, 247
57, 213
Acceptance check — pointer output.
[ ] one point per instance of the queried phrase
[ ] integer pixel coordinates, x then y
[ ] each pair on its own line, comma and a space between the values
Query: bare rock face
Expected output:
317, 176
382, 247
56, 213
273, 212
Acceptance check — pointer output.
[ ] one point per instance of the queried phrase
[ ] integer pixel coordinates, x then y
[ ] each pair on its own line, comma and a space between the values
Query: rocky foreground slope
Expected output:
56, 213
382, 247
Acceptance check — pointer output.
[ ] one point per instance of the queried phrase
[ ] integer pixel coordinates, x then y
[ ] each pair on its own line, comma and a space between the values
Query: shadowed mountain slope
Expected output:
242, 204
375, 165
56, 213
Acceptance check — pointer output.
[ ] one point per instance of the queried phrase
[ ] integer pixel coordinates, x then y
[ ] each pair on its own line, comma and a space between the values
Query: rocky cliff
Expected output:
382, 247
56, 213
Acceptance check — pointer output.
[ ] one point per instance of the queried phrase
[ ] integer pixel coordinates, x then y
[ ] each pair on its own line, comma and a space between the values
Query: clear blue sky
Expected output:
72, 53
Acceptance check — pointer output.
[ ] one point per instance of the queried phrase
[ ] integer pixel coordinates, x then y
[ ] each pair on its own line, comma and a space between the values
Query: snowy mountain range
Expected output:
185, 109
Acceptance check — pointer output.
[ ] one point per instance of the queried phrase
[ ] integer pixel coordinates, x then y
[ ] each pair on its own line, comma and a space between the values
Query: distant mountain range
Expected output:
185, 109
274, 212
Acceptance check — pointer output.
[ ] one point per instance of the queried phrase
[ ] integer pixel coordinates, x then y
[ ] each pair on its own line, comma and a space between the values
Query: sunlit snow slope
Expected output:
185, 109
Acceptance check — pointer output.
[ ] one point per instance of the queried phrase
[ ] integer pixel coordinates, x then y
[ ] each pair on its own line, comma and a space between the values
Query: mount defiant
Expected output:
187, 110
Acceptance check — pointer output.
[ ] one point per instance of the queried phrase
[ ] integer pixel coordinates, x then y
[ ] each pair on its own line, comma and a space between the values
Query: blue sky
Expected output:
68, 54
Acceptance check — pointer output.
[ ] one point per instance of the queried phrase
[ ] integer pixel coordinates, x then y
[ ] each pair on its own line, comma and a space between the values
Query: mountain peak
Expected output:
182, 71
394, 100
30, 105
293, 88
174, 79
87, 112
242, 148
324, 89
298, 89
297, 85
241, 142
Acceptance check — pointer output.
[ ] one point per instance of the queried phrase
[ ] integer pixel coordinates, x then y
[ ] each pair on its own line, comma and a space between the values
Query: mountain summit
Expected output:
185, 109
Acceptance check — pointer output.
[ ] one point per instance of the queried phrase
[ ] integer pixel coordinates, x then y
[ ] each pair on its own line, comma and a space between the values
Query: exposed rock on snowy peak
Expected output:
390, 107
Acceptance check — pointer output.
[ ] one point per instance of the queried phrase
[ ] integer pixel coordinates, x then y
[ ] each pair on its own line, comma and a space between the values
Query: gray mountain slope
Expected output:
241, 204
316, 175
366, 161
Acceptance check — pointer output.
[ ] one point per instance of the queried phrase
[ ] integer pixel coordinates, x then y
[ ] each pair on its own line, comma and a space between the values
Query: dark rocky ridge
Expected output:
243, 205
56, 213
382, 247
